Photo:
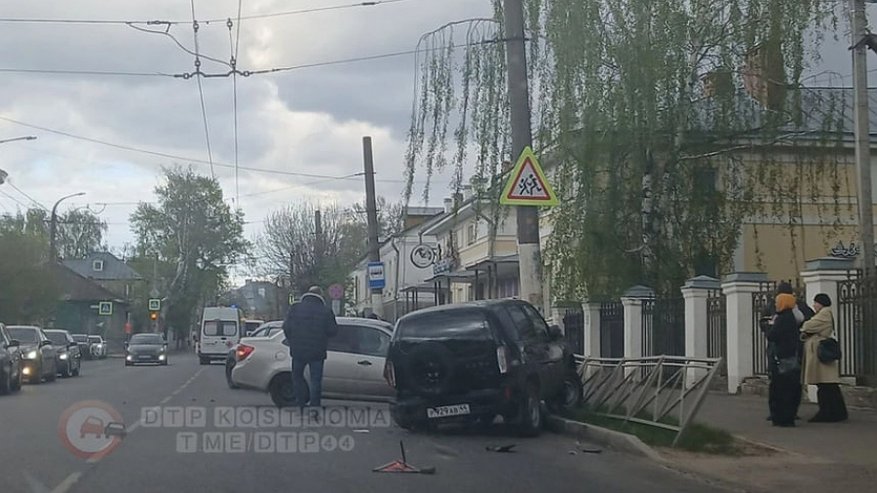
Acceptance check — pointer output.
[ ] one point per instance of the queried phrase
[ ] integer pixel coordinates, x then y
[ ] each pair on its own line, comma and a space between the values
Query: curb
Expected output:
603, 436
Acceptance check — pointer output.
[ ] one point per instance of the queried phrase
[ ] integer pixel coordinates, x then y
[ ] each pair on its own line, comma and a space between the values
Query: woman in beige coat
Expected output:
826, 376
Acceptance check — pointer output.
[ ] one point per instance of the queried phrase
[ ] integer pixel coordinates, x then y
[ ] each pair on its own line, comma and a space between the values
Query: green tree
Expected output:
635, 104
194, 235
80, 232
28, 293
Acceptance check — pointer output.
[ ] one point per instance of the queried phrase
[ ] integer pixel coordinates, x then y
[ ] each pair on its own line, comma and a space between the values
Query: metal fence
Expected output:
574, 328
717, 327
639, 391
663, 327
611, 329
764, 304
856, 333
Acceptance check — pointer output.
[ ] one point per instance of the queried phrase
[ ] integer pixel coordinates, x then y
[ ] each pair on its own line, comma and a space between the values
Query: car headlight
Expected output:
63, 356
161, 357
129, 357
30, 355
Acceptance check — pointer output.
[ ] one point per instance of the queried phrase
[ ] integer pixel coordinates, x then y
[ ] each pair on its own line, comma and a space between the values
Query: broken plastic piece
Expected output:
503, 448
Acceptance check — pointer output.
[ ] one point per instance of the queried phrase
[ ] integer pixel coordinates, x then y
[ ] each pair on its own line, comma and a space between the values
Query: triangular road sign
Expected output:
527, 184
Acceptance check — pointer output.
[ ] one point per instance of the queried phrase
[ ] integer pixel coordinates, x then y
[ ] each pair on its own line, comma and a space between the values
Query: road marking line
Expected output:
67, 483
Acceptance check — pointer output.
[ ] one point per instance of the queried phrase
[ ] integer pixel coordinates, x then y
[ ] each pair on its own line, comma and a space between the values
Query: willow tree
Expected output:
640, 107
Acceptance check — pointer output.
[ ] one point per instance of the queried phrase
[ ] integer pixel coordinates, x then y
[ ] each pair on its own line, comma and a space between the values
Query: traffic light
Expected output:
153, 316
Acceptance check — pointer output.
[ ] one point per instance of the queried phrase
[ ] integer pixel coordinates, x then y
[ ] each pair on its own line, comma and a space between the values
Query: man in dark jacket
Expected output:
308, 326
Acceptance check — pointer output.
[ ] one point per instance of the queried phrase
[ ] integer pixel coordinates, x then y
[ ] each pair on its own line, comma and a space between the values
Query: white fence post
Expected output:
695, 292
633, 319
738, 289
822, 276
591, 336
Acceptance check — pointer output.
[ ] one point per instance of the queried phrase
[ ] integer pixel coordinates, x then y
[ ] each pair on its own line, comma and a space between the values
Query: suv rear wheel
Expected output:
530, 412
569, 396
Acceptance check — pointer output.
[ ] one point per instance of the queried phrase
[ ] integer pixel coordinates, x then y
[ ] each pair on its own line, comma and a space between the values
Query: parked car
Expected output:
267, 329
37, 353
84, 345
97, 347
251, 326
473, 361
10, 363
353, 367
67, 353
220, 331
146, 348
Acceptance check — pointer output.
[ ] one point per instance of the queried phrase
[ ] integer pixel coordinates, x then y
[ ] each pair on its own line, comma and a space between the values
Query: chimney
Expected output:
764, 75
467, 192
449, 205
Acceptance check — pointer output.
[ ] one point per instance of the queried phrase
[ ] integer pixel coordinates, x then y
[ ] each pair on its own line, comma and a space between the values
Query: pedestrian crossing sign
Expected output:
527, 184
105, 308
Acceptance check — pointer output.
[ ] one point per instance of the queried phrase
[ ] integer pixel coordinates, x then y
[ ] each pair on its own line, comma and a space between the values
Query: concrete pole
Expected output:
859, 26
374, 248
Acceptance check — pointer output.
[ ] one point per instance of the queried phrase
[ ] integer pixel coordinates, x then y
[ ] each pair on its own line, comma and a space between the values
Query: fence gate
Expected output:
663, 327
574, 328
611, 329
717, 328
856, 331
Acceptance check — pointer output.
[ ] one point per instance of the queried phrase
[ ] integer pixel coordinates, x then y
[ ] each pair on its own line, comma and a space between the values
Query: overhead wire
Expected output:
22, 192
201, 92
14, 199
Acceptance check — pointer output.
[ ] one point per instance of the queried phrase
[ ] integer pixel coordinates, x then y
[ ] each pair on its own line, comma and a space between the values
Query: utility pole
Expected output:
374, 249
529, 254
859, 25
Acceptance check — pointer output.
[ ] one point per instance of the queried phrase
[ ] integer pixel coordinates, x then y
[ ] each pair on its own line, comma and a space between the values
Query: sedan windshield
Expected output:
23, 335
80, 338
96, 340
57, 338
150, 339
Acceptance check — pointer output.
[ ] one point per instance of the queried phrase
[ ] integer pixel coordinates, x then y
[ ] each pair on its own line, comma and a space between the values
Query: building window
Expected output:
471, 234
97, 265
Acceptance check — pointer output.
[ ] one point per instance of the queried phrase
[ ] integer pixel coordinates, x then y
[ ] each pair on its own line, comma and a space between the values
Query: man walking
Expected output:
308, 326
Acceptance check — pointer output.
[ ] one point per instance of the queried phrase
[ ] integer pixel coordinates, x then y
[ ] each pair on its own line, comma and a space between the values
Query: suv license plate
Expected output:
445, 411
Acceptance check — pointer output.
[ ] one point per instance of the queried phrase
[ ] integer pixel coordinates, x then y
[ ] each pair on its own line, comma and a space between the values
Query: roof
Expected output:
424, 211
75, 287
113, 268
824, 110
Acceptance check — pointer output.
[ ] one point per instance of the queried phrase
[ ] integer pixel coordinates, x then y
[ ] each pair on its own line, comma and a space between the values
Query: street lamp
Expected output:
53, 254
27, 137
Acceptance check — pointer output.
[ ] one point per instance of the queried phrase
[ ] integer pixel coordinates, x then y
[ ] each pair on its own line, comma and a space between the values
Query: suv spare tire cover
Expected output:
429, 368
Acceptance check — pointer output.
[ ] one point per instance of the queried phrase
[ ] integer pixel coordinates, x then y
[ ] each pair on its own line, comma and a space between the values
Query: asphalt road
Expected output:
202, 456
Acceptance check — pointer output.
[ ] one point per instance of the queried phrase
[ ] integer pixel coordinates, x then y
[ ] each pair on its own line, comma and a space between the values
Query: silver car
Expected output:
98, 347
353, 370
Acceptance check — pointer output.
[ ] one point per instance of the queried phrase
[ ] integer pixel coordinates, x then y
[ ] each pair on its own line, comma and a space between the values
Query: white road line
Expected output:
67, 483
71, 480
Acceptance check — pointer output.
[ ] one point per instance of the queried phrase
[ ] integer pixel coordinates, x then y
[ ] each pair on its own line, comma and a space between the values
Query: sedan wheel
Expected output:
6, 382
16, 383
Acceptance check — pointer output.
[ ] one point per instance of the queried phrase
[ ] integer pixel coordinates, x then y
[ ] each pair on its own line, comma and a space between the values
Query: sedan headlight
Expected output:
129, 357
30, 355
161, 357
63, 356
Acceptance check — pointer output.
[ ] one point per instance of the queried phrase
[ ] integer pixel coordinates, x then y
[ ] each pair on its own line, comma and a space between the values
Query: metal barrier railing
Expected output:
660, 391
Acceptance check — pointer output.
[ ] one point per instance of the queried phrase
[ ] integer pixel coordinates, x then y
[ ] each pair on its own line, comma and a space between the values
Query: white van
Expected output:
220, 330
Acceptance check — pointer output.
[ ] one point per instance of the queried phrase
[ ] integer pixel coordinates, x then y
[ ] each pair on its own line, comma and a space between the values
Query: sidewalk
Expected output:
817, 457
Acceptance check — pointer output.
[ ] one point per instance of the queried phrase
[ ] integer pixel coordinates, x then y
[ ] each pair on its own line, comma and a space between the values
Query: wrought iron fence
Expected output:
574, 328
764, 304
611, 329
639, 390
717, 326
663, 327
857, 327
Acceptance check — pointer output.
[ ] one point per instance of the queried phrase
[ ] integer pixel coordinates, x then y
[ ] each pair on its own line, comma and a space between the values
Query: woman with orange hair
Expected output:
785, 384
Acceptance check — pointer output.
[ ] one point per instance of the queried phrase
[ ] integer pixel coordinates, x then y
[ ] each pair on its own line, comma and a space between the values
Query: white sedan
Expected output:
354, 368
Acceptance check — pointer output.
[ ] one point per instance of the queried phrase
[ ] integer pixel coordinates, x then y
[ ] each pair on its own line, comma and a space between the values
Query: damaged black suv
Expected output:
473, 361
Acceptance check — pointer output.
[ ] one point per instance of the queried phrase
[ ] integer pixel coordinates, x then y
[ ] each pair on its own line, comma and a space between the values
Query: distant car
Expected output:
97, 347
220, 331
146, 348
470, 362
267, 329
84, 345
10, 363
67, 354
353, 367
37, 353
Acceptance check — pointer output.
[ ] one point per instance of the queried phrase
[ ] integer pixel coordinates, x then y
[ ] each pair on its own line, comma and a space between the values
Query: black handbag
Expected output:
788, 365
828, 350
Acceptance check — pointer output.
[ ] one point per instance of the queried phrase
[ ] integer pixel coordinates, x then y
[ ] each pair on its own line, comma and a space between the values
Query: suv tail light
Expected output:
390, 374
502, 359
243, 352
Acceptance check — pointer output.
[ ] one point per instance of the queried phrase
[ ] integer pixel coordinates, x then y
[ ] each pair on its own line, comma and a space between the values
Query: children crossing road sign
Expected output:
527, 184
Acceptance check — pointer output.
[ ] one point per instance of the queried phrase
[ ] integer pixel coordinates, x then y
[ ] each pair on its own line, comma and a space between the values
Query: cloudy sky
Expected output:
308, 121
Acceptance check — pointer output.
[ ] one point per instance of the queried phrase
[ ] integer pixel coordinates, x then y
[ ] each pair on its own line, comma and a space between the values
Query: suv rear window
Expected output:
445, 324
